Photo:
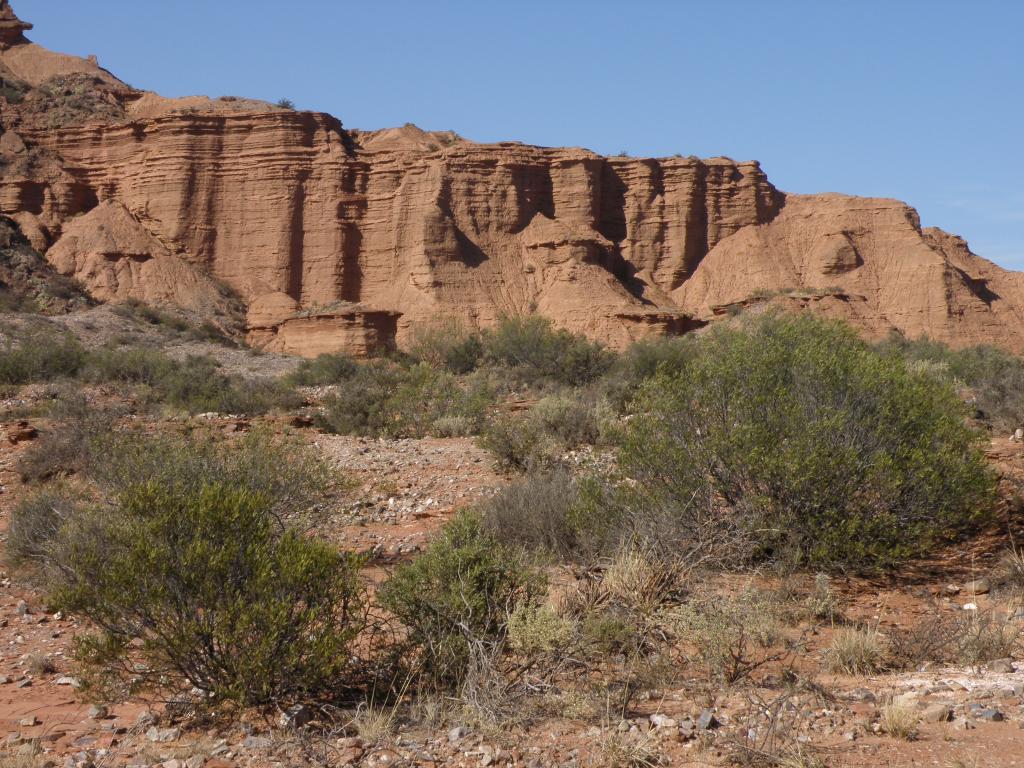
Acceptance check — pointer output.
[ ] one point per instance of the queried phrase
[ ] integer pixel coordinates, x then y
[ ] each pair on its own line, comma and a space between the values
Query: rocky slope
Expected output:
341, 239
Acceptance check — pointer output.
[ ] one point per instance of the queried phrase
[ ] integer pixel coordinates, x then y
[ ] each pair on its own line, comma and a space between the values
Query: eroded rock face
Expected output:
867, 261
285, 204
351, 240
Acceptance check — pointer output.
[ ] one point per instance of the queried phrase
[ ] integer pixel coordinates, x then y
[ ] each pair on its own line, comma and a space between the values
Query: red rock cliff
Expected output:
339, 239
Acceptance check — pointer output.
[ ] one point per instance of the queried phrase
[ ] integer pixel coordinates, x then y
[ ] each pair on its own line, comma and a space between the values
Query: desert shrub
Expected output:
530, 346
197, 385
793, 431
198, 587
985, 636
455, 598
448, 345
536, 440
534, 512
518, 444
569, 420
538, 630
41, 664
731, 636
822, 604
289, 475
383, 399
935, 638
325, 369
857, 651
995, 377
174, 323
454, 426
36, 521
1009, 571
899, 720
70, 445
128, 365
624, 613
40, 355
641, 361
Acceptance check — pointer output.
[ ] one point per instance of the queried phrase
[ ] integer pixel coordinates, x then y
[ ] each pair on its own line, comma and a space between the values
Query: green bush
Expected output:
383, 399
530, 346
519, 444
198, 587
536, 440
995, 377
128, 365
35, 523
325, 369
448, 346
198, 386
638, 363
39, 356
289, 475
456, 597
802, 439
535, 512
69, 446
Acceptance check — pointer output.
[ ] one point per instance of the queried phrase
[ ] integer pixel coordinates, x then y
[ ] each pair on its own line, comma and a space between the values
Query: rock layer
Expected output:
349, 240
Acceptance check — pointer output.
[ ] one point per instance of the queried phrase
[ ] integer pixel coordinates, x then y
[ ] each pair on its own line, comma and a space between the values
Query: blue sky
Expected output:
914, 99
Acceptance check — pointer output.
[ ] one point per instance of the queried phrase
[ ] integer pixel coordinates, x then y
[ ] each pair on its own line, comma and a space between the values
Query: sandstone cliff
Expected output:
342, 239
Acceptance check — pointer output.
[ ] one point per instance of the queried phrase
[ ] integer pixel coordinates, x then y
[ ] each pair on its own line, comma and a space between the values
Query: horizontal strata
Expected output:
349, 240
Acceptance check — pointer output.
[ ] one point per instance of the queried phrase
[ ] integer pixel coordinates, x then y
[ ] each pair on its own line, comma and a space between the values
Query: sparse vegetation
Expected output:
384, 399
455, 599
857, 651
199, 587
325, 369
40, 355
899, 720
793, 427
994, 377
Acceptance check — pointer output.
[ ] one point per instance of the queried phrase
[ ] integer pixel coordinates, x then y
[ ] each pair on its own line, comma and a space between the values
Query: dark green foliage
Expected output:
383, 399
639, 362
325, 369
994, 376
456, 597
809, 445
198, 386
289, 475
128, 365
449, 346
530, 346
40, 355
202, 587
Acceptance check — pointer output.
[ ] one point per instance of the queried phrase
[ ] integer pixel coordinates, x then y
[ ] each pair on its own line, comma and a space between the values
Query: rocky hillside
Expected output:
339, 239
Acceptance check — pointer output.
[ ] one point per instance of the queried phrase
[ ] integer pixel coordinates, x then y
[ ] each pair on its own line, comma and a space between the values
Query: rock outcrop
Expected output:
351, 240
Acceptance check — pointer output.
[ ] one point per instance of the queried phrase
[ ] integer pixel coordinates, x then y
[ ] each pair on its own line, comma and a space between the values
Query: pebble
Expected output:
457, 733
937, 713
977, 587
707, 721
163, 735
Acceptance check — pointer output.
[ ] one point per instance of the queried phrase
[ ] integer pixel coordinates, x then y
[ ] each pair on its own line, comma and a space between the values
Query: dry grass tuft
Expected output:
899, 721
857, 651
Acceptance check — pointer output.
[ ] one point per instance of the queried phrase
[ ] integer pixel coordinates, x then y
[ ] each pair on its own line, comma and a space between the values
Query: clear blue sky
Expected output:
915, 99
